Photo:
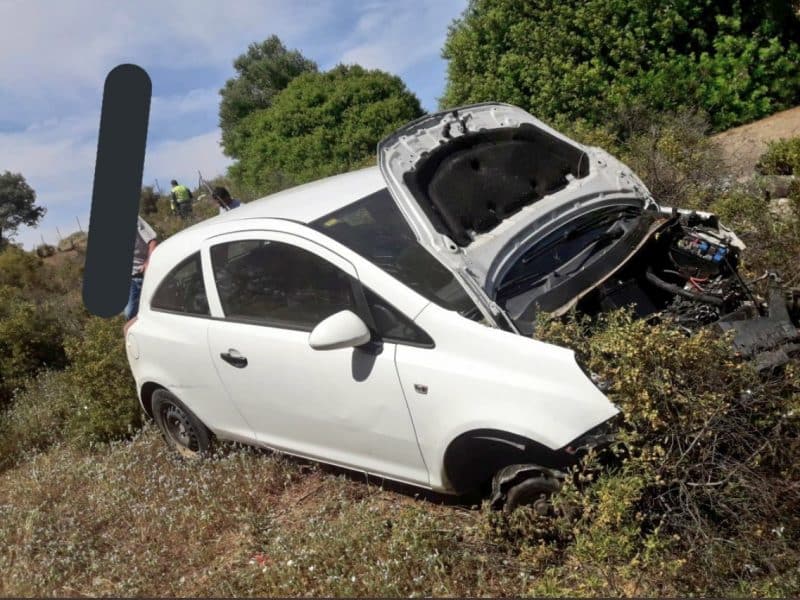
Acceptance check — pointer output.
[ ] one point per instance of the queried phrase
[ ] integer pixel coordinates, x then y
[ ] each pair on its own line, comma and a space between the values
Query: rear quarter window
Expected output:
182, 290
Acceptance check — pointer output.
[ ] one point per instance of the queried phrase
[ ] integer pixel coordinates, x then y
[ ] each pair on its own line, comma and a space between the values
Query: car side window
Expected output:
182, 289
393, 326
278, 285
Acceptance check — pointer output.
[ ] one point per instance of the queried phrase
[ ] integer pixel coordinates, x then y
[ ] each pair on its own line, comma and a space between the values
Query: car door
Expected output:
343, 406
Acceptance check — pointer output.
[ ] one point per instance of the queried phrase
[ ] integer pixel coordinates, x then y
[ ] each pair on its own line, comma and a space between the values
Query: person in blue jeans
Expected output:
145, 244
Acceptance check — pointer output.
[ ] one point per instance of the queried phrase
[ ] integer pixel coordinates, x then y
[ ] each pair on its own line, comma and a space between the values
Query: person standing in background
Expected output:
224, 200
181, 199
146, 241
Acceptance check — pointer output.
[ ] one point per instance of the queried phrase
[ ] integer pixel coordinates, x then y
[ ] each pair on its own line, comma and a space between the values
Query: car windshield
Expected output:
374, 228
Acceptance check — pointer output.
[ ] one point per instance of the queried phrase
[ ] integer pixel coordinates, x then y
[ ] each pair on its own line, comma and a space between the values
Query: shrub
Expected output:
671, 152
37, 416
585, 59
20, 269
101, 384
674, 157
781, 158
704, 491
772, 242
31, 338
93, 400
45, 250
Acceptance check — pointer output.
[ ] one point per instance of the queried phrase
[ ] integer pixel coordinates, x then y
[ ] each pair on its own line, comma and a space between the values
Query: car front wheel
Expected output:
534, 492
183, 432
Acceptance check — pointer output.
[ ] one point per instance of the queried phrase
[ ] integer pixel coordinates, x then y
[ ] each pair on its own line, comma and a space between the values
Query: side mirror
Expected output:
344, 329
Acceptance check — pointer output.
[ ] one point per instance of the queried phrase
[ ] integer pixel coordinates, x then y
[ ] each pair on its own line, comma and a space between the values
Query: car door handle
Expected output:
234, 358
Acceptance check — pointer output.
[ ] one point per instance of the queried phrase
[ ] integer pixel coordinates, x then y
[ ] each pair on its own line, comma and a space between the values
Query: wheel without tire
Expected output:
182, 431
534, 491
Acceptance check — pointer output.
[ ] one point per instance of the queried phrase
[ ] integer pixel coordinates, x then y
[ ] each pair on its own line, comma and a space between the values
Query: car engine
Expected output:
688, 273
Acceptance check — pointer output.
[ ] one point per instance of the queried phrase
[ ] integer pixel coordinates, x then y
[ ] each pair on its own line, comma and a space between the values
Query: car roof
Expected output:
310, 201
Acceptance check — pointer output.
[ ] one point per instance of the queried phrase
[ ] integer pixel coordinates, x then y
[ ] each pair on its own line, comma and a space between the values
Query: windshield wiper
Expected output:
614, 232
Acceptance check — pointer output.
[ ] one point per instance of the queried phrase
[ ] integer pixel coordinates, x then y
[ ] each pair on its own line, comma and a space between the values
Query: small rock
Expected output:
775, 186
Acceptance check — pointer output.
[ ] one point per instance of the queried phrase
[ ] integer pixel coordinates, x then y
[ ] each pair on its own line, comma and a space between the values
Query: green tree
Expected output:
322, 124
17, 206
261, 72
736, 60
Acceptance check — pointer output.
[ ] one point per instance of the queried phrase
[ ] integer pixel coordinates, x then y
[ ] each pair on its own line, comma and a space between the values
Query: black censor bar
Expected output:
117, 185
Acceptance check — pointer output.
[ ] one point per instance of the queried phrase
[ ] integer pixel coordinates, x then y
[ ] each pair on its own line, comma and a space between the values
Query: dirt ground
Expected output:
742, 146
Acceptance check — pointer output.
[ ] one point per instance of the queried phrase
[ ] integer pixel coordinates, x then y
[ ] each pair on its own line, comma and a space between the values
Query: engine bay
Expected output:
686, 270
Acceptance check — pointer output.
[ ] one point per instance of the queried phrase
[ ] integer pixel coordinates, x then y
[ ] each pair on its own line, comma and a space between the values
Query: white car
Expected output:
380, 320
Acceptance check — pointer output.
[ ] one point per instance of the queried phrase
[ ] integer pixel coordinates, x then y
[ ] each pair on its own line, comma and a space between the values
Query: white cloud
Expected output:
179, 105
55, 56
181, 160
395, 36
77, 42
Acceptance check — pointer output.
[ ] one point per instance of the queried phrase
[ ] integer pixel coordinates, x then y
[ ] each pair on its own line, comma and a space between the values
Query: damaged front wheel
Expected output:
525, 485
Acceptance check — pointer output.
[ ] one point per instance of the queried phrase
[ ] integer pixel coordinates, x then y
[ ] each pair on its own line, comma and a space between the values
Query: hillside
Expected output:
702, 495
742, 146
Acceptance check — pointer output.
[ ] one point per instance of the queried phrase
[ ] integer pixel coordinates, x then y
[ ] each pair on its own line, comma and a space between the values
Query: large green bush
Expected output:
93, 400
579, 59
262, 72
321, 124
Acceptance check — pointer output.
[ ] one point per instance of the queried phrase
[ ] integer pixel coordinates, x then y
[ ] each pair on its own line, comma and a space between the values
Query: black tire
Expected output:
535, 492
182, 430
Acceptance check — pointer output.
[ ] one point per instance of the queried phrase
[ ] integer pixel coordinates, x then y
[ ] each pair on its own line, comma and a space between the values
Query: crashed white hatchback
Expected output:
380, 320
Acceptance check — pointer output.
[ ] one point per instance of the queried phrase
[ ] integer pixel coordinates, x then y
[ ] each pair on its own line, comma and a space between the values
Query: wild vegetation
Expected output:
18, 204
699, 495
782, 158
319, 125
589, 59
702, 494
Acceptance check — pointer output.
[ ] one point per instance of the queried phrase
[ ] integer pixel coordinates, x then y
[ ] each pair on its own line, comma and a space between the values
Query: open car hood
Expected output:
480, 184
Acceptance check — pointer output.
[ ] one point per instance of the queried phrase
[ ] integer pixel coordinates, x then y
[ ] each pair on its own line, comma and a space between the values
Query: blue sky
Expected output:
54, 57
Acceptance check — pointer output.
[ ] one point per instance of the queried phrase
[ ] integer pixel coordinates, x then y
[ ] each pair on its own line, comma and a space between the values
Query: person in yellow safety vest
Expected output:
181, 199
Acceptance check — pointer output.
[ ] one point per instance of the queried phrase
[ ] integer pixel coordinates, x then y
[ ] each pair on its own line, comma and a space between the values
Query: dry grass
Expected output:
132, 520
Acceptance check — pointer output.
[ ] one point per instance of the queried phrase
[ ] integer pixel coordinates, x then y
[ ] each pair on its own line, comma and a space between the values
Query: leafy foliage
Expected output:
322, 124
580, 59
781, 158
20, 269
261, 72
17, 206
773, 240
31, 338
704, 487
106, 407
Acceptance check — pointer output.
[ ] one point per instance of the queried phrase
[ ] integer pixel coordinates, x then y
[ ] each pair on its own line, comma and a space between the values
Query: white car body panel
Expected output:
490, 254
495, 380
289, 387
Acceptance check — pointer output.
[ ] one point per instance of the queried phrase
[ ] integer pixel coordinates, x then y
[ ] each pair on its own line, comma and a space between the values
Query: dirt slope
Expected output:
742, 146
